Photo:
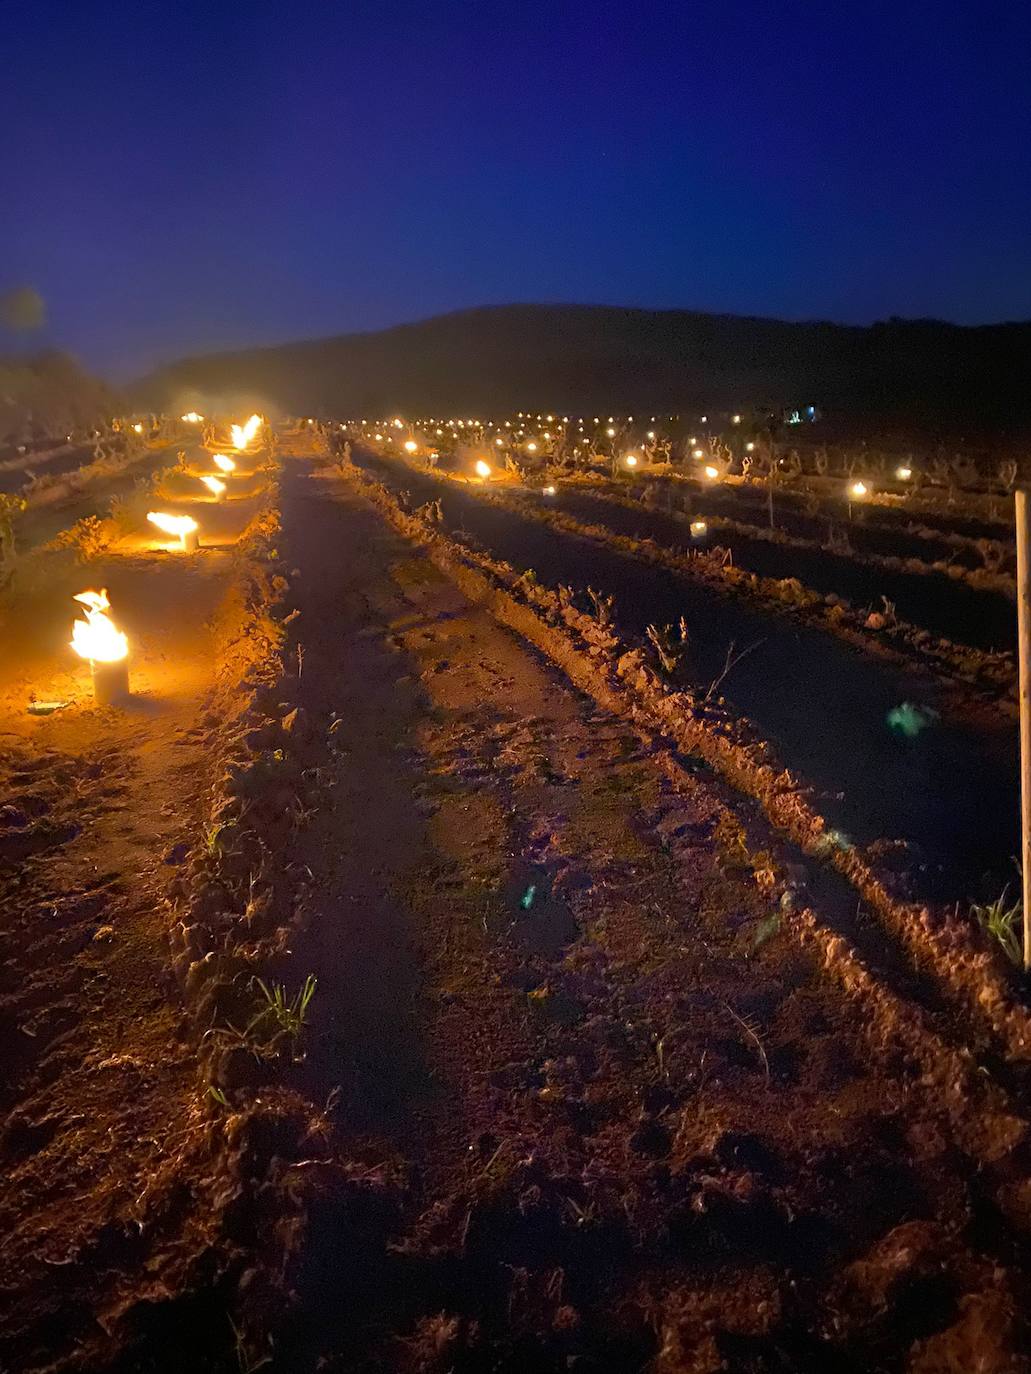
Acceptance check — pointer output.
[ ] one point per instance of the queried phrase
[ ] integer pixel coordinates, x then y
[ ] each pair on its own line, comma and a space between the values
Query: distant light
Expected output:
631, 460
699, 453
440, 431
499, 443
693, 439
191, 417
903, 474
698, 528
549, 491
138, 427
858, 489
651, 434
410, 446
531, 448
550, 418
711, 472
482, 469
735, 419
379, 437
397, 423
611, 432
750, 447
705, 419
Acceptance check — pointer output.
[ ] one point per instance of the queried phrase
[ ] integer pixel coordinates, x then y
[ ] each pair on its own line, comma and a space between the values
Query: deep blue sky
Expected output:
179, 176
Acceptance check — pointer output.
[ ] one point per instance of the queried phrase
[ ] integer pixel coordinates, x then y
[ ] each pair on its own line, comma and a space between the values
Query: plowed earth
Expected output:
588, 1105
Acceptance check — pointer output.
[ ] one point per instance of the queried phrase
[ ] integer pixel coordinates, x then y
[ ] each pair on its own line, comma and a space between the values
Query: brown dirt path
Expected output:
619, 1118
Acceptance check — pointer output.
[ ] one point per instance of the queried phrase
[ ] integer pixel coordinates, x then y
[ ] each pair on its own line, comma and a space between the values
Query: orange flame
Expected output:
97, 637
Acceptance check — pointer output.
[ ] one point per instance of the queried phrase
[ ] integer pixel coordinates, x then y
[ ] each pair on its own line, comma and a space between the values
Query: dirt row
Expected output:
619, 676
598, 1100
116, 1204
975, 610
938, 802
587, 1080
986, 676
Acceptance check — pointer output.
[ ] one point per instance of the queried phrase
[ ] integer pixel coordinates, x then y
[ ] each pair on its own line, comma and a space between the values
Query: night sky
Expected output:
180, 177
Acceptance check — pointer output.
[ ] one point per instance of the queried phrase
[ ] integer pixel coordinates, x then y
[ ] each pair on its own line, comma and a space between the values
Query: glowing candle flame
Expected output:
531, 448
858, 489
903, 474
549, 491
243, 434
410, 446
172, 524
482, 469
698, 527
711, 472
138, 427
96, 637
214, 485
191, 417
222, 462
631, 460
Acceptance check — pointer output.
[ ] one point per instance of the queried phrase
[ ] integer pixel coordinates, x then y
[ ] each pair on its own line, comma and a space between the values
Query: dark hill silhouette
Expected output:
916, 375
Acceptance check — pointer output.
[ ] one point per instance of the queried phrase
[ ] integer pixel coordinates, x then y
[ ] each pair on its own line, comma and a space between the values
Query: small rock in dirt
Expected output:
103, 934
177, 854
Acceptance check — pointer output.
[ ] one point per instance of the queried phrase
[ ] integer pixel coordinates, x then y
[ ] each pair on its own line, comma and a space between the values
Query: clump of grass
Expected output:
1000, 923
279, 1013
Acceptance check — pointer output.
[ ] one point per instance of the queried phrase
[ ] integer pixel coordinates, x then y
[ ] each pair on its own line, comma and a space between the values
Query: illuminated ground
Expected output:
584, 1098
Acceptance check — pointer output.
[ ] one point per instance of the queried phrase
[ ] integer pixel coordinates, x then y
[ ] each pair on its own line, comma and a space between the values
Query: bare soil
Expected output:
607, 1113
574, 1092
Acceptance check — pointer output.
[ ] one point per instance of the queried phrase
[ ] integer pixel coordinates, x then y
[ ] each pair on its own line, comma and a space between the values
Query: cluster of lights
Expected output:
95, 636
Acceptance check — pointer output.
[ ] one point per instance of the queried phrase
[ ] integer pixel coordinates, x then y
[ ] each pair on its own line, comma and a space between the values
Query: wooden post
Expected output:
1023, 517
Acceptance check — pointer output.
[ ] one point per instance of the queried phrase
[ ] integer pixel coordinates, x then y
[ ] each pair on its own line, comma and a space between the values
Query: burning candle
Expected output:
243, 434
482, 469
183, 526
98, 639
223, 463
215, 486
